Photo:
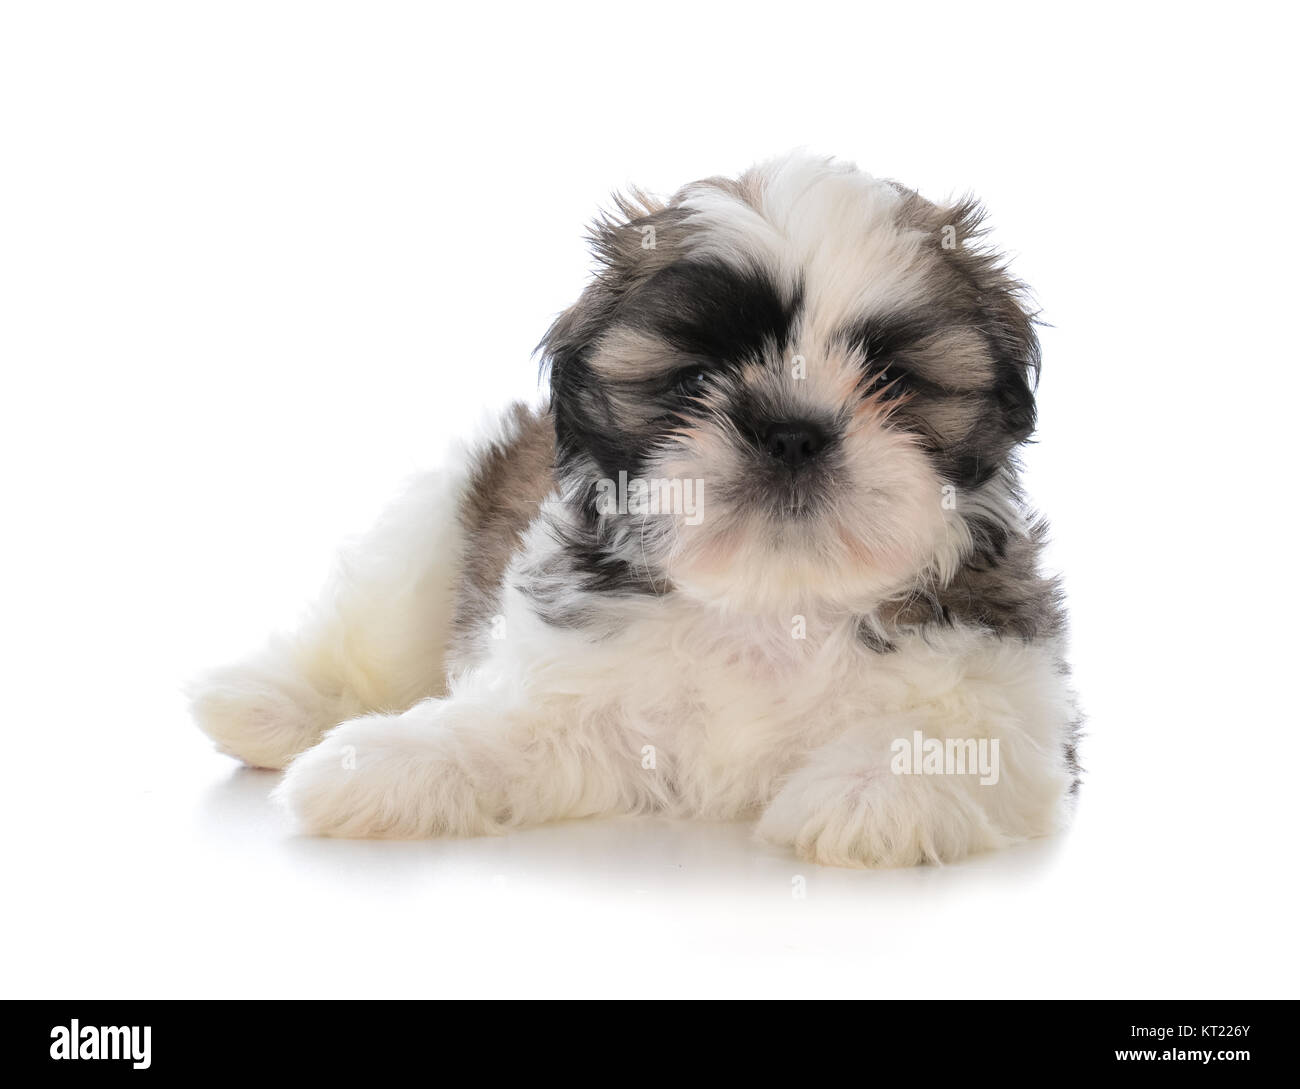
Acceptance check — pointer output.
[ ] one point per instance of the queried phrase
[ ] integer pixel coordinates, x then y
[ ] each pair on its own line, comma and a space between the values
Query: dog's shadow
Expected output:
633, 855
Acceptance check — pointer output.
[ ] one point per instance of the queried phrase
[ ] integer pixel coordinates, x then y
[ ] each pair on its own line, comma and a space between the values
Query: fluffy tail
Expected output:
375, 640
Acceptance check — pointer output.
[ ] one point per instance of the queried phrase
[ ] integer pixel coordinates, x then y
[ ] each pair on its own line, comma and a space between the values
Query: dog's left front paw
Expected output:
384, 777
871, 819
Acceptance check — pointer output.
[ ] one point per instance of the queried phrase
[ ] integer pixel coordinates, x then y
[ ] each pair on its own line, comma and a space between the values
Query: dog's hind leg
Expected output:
375, 640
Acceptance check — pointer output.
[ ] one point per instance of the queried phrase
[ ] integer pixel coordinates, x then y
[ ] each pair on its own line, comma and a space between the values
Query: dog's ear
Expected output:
978, 285
631, 241
1006, 317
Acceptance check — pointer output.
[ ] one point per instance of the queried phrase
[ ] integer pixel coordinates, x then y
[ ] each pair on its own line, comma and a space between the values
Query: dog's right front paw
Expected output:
384, 777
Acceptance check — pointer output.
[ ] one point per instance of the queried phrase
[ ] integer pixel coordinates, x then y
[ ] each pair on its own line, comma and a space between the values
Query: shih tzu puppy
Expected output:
760, 555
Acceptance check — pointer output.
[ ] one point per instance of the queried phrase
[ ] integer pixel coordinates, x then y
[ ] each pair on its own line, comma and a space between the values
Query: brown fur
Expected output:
508, 480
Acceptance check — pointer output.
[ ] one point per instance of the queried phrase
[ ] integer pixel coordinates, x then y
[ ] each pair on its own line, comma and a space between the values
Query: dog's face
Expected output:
824, 353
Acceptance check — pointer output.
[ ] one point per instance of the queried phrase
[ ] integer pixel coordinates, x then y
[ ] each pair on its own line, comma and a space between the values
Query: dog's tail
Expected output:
406, 598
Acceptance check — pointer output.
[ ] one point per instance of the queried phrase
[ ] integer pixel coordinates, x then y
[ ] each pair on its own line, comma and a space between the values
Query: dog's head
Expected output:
826, 363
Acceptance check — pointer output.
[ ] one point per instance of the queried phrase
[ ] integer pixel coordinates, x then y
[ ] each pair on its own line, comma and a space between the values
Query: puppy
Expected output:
761, 555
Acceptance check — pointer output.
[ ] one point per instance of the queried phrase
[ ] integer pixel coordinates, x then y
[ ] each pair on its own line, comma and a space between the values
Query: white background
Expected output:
259, 261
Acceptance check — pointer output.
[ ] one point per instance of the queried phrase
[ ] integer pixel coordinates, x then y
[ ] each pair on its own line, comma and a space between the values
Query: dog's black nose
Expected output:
794, 441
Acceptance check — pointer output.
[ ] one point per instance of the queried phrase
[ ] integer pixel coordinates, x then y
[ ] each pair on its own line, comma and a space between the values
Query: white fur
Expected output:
735, 717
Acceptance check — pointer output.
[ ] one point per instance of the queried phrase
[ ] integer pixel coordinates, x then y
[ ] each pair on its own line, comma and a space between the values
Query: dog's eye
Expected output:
691, 380
890, 382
